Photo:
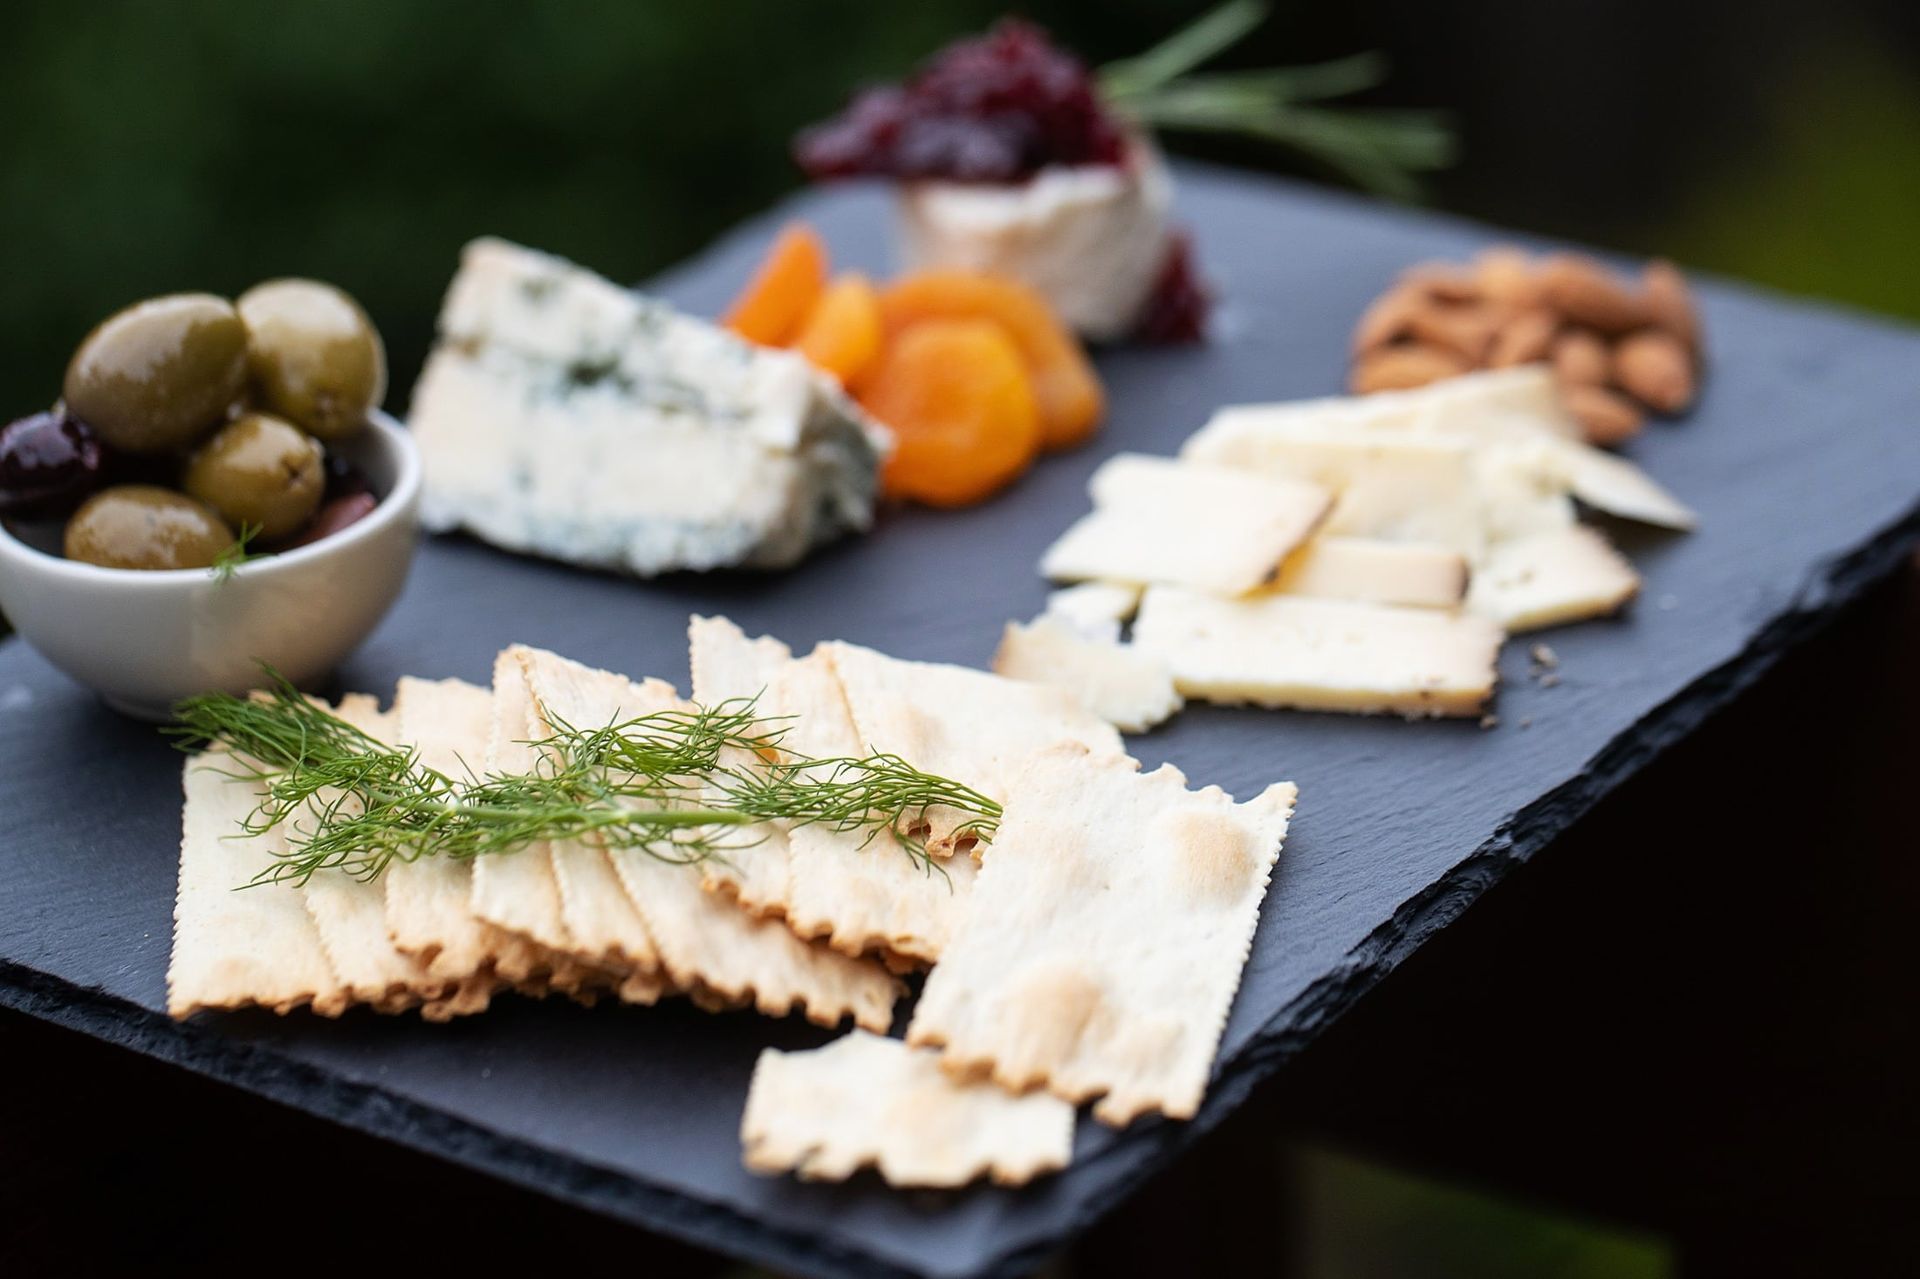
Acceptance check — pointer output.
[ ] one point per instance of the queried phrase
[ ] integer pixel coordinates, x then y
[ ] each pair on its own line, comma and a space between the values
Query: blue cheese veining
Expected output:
563, 416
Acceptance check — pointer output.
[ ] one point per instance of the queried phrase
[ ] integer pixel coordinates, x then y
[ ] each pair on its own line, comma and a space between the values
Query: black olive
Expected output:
49, 462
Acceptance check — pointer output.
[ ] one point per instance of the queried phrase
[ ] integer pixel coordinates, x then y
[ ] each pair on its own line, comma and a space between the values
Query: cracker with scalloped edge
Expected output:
235, 946
727, 666
350, 914
1107, 934
966, 725
866, 1101
860, 895
705, 942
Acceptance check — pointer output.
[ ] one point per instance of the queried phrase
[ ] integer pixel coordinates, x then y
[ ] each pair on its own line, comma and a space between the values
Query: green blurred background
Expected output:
209, 143
206, 144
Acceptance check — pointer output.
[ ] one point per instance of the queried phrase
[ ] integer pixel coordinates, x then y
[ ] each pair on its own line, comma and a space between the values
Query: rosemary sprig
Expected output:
661, 783
236, 554
1381, 150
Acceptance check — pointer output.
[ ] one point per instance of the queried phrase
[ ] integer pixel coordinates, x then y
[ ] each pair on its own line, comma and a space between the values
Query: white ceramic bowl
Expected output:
144, 640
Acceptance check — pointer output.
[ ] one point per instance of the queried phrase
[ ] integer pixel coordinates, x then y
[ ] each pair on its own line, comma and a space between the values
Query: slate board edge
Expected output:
372, 1110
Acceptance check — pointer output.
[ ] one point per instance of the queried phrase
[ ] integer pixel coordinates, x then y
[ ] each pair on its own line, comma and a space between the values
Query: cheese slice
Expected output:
1550, 578
563, 416
1376, 572
1096, 610
1129, 687
867, 1101
1165, 520
1331, 655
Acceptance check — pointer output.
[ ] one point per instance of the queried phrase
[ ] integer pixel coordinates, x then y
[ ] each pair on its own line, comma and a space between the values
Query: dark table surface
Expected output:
1803, 459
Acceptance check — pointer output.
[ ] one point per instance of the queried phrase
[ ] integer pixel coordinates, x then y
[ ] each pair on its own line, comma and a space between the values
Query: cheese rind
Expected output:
1129, 687
563, 416
1567, 575
1165, 520
1329, 655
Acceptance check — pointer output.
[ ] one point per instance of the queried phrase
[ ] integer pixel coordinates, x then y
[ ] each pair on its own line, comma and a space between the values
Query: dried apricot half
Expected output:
789, 282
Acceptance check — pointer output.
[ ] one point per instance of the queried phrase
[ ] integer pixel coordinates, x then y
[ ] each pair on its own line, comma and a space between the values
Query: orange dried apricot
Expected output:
961, 405
785, 288
1064, 385
842, 333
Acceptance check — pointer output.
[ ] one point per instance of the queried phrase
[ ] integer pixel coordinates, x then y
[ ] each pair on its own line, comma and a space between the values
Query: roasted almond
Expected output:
1655, 368
1608, 417
1584, 292
1466, 328
1442, 281
1399, 368
1580, 359
1387, 319
1507, 277
1525, 338
1669, 303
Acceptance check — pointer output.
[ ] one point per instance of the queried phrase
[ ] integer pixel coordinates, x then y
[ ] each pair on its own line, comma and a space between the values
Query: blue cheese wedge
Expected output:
1321, 655
561, 415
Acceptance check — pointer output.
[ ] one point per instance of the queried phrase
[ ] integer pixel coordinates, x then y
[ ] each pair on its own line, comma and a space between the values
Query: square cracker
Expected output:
237, 946
859, 895
863, 1100
705, 942
1108, 930
965, 725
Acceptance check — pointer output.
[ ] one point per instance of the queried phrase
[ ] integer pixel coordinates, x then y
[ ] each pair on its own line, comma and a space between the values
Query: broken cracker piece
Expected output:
1188, 523
1107, 935
1129, 687
867, 1101
1327, 655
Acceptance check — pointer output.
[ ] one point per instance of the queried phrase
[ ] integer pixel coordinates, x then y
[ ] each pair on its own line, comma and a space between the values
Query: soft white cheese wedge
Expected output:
1096, 610
1375, 572
1563, 575
1129, 687
561, 415
1326, 655
1092, 239
1158, 519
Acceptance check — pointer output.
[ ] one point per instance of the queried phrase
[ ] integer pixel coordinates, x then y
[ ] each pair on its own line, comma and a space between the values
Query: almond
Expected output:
1507, 278
1656, 369
1399, 368
1609, 417
1580, 359
1386, 320
1583, 291
1442, 281
1669, 302
1466, 329
1525, 338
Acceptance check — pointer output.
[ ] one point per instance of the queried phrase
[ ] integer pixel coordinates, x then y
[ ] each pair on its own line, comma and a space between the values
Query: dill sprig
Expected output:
1381, 150
679, 785
236, 553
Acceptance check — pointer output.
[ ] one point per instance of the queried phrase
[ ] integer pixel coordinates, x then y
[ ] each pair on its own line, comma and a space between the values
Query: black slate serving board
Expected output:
1803, 460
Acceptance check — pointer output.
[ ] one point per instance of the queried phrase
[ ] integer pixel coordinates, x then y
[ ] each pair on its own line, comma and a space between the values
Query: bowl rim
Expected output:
400, 498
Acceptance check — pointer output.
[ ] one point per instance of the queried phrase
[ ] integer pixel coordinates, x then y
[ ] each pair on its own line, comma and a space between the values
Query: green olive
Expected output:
316, 358
145, 526
259, 471
161, 373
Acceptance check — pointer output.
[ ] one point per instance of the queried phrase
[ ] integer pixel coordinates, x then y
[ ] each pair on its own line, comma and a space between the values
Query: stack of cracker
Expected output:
1088, 952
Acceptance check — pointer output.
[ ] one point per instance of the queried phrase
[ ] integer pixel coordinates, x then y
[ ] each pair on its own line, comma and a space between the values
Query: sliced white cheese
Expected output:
1092, 239
563, 416
1375, 572
1129, 687
1095, 609
1164, 520
1562, 575
1310, 654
